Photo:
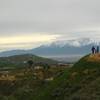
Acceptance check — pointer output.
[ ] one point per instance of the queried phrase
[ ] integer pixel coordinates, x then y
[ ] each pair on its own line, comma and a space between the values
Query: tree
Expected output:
30, 63
45, 70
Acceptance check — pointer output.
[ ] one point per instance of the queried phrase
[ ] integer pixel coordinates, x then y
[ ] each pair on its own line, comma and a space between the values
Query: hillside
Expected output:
20, 60
81, 82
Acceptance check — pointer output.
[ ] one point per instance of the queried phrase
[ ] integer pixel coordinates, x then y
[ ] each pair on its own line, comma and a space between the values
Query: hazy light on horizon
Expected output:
25, 41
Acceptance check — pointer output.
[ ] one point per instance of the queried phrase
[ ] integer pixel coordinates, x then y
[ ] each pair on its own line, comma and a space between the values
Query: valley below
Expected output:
18, 77
30, 77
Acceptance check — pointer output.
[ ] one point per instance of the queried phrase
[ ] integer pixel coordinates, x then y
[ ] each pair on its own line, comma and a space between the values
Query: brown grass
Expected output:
94, 58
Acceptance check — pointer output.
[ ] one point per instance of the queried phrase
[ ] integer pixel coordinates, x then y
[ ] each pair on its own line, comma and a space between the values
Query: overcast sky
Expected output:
30, 23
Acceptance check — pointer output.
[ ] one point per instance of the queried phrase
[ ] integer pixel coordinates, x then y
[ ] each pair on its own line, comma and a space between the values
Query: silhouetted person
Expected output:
93, 50
97, 50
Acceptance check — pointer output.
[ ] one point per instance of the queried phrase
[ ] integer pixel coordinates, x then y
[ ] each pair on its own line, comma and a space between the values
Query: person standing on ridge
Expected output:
93, 50
97, 50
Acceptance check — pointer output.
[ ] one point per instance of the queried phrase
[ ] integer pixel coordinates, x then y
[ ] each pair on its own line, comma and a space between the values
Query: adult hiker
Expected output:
93, 50
97, 50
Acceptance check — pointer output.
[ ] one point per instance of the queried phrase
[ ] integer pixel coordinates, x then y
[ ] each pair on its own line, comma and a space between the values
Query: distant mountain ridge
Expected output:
64, 47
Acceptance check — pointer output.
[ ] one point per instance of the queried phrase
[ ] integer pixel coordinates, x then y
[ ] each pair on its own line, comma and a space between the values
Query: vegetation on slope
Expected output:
80, 82
18, 61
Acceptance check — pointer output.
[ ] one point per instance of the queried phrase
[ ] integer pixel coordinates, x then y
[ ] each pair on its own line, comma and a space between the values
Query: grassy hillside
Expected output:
80, 82
18, 61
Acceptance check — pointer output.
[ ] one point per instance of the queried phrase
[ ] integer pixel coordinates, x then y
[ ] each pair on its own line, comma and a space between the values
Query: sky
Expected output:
26, 24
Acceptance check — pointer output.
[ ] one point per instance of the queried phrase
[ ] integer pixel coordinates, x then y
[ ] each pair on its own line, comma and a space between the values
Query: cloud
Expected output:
68, 19
59, 16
